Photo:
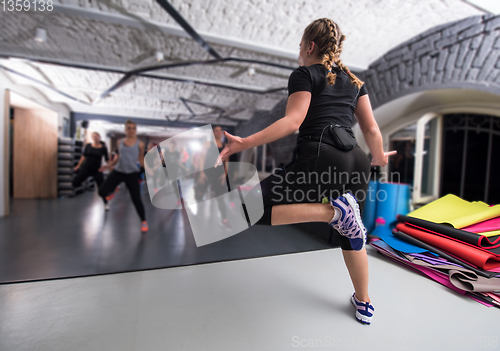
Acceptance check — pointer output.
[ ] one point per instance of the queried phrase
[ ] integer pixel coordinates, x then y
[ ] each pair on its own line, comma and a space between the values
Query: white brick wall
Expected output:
113, 34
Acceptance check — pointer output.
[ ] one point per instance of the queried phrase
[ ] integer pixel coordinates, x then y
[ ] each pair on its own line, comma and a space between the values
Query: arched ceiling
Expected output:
440, 101
91, 44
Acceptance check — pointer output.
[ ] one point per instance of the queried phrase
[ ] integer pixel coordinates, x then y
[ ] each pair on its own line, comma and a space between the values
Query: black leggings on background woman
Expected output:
83, 173
132, 184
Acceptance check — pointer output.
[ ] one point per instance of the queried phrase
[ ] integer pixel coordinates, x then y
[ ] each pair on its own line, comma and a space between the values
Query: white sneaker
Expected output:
349, 223
364, 310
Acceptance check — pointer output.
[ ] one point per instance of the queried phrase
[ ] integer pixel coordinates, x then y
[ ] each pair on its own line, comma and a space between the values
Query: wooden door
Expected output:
34, 154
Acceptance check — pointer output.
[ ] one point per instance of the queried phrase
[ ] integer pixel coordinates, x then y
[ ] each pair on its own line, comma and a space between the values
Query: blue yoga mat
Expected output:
385, 234
369, 211
392, 199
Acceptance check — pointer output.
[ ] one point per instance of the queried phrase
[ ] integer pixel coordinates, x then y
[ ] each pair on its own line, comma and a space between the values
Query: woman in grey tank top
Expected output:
128, 157
125, 169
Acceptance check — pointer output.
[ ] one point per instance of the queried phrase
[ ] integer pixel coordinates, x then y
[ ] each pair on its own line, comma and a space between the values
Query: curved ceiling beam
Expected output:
138, 72
48, 86
187, 27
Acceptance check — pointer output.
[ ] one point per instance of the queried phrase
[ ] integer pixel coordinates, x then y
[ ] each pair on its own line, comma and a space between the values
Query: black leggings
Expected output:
217, 186
132, 183
83, 173
311, 178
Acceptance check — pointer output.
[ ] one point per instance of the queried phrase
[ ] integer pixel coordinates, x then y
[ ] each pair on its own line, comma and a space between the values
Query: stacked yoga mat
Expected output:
452, 241
385, 201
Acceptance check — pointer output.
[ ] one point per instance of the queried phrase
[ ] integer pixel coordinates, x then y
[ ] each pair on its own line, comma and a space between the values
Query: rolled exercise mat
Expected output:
472, 254
461, 277
370, 208
469, 281
433, 274
455, 211
392, 199
491, 244
431, 248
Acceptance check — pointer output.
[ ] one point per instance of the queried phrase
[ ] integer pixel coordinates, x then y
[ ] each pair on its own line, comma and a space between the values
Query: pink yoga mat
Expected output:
432, 274
486, 226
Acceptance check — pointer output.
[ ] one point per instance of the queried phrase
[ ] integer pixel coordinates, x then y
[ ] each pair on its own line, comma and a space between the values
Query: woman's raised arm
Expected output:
371, 131
296, 110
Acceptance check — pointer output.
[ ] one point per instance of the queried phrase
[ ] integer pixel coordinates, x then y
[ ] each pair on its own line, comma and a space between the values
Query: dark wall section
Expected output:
464, 54
282, 149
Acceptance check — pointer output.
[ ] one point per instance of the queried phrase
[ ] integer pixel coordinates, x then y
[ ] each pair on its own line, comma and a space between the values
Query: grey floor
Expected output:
288, 302
70, 237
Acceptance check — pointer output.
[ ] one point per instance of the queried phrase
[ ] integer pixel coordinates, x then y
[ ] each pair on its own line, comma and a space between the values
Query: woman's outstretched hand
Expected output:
233, 146
383, 160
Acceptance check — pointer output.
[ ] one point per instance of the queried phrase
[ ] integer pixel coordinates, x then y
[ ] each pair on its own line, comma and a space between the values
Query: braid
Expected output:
339, 63
352, 77
329, 58
329, 39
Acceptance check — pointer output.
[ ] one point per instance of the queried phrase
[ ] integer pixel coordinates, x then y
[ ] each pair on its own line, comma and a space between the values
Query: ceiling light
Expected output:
159, 56
41, 35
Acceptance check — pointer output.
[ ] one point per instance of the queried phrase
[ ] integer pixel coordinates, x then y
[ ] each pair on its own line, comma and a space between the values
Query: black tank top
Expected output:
93, 157
329, 104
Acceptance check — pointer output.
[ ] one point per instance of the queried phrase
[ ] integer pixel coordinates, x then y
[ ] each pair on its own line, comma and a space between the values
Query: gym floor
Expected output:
295, 301
289, 300
70, 237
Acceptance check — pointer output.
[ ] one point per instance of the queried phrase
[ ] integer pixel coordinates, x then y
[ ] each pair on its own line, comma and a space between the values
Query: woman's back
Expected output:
329, 103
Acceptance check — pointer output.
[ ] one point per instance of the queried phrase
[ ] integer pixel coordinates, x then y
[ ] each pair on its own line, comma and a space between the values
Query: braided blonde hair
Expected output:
328, 38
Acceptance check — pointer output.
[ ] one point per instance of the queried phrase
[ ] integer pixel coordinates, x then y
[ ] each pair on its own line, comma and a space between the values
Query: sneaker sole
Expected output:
352, 202
359, 316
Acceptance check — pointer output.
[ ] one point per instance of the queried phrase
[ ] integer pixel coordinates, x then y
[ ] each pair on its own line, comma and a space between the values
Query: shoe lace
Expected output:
360, 305
348, 226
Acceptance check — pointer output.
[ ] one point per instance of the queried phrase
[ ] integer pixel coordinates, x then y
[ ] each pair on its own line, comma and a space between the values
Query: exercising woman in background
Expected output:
90, 163
215, 178
124, 169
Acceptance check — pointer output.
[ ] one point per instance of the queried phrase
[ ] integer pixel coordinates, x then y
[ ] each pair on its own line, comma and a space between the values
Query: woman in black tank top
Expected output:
323, 92
90, 162
215, 178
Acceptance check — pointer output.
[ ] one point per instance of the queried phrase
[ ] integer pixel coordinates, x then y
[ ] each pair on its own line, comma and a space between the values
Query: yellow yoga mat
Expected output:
455, 211
489, 234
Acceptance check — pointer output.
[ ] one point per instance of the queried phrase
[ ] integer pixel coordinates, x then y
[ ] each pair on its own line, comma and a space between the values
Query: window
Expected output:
427, 159
419, 157
65, 127
470, 157
402, 165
